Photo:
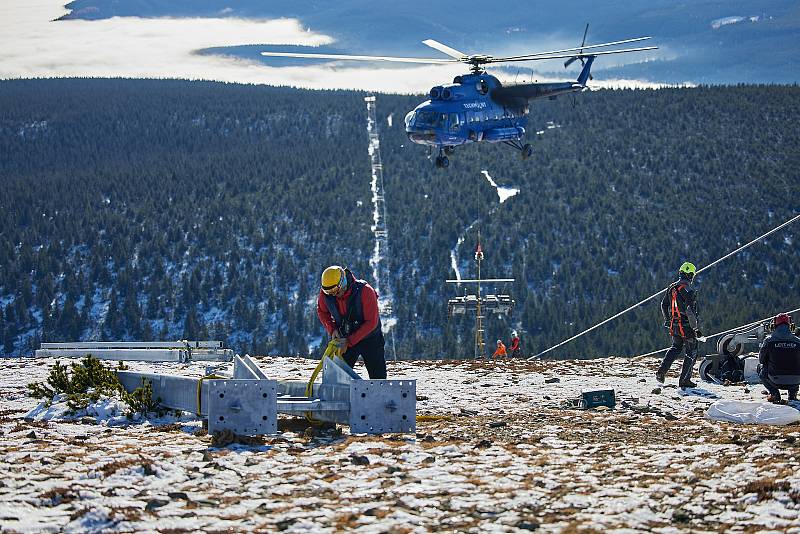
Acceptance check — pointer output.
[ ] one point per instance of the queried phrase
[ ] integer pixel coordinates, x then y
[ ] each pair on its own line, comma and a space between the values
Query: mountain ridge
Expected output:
138, 209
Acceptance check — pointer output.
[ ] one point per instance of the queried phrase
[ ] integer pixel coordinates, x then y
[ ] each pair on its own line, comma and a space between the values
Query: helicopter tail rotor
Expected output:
569, 62
579, 56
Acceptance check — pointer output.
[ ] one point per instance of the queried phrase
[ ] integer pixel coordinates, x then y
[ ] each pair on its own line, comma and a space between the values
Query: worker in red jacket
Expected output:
514, 350
348, 309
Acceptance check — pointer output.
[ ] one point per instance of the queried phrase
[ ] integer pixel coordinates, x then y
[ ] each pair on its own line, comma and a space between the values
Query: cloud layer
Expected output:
34, 46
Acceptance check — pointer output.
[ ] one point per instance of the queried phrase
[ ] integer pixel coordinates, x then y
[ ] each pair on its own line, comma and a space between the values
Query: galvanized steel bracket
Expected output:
383, 406
246, 407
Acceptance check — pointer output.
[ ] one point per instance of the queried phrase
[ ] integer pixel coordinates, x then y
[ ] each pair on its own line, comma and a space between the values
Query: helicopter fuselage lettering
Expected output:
474, 105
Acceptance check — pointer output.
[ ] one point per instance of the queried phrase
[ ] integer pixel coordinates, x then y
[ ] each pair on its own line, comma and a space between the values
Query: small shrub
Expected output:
58, 380
90, 380
141, 400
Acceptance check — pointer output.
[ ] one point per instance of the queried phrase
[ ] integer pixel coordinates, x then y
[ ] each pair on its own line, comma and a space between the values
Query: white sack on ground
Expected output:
763, 413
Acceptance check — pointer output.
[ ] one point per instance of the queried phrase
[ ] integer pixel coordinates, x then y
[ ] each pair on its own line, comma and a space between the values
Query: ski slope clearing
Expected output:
497, 453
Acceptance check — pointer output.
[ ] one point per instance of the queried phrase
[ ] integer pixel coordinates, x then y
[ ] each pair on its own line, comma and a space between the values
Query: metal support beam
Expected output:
176, 392
249, 403
156, 351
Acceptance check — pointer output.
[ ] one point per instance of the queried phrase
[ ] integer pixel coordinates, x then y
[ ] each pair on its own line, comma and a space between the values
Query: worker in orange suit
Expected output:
501, 350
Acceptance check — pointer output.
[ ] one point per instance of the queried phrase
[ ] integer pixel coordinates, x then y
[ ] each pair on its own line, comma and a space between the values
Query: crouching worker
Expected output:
500, 351
780, 360
348, 309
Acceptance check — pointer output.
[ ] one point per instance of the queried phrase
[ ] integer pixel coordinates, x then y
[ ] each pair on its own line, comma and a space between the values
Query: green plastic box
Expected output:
601, 397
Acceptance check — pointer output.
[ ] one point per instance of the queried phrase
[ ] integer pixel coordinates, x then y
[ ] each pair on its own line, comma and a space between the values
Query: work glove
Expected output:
341, 344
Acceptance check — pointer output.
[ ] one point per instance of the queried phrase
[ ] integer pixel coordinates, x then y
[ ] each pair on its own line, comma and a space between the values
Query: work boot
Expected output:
687, 384
774, 399
660, 376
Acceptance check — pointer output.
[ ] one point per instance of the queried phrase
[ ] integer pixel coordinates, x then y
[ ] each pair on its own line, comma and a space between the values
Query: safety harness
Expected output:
675, 311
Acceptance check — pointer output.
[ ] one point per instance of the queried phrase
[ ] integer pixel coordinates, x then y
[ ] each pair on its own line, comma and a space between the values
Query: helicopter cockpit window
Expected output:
429, 119
454, 124
482, 87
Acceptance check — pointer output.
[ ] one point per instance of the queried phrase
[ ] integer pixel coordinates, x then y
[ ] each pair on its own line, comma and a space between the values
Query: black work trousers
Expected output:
774, 389
371, 351
680, 343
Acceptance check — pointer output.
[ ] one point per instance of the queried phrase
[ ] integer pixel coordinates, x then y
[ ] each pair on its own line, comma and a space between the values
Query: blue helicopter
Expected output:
476, 107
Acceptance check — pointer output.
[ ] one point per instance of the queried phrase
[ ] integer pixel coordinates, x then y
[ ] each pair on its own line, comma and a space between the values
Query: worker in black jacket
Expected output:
679, 299
780, 360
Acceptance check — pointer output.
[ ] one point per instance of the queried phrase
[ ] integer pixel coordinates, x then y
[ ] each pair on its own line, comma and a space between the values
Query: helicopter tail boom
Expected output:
585, 74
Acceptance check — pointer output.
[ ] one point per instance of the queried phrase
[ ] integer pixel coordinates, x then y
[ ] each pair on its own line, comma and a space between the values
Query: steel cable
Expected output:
706, 338
654, 295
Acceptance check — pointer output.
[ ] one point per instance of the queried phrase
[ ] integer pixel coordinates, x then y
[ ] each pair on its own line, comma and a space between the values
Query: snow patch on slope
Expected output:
504, 193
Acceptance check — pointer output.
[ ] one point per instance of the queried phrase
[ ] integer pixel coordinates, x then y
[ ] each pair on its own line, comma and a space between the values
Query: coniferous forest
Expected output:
163, 210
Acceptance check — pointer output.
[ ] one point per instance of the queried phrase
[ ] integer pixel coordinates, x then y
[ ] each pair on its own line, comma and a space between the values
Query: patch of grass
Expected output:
57, 496
137, 461
765, 487
228, 437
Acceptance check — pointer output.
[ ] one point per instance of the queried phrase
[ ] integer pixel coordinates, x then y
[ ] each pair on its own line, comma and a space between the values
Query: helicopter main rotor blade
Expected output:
360, 58
579, 48
562, 56
452, 52
586, 31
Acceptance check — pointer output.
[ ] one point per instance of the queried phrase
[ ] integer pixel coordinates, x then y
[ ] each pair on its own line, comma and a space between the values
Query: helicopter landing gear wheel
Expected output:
449, 150
442, 162
526, 151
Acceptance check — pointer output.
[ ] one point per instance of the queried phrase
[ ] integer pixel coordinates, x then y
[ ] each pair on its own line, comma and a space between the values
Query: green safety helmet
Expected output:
688, 269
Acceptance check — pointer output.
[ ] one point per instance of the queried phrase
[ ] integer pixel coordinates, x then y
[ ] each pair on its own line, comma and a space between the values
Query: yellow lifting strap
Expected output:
200, 388
331, 351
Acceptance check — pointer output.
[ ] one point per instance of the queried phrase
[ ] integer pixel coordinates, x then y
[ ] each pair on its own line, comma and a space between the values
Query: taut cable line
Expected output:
706, 338
654, 295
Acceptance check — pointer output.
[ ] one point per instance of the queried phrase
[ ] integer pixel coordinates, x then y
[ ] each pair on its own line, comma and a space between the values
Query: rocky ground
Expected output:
496, 450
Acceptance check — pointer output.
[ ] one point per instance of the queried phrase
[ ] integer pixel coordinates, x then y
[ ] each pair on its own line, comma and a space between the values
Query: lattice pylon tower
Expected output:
378, 262
480, 303
480, 341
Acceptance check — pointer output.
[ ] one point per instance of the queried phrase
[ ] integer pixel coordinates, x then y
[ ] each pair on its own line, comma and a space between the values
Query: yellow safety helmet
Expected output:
334, 280
688, 268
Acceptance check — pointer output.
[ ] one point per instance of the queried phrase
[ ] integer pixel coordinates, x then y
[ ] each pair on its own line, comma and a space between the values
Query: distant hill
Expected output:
704, 42
136, 209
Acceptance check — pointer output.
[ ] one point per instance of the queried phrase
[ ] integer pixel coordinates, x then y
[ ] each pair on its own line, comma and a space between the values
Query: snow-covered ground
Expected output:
499, 452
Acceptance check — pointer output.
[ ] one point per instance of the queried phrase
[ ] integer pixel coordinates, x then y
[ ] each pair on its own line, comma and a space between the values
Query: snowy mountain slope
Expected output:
498, 455
98, 246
